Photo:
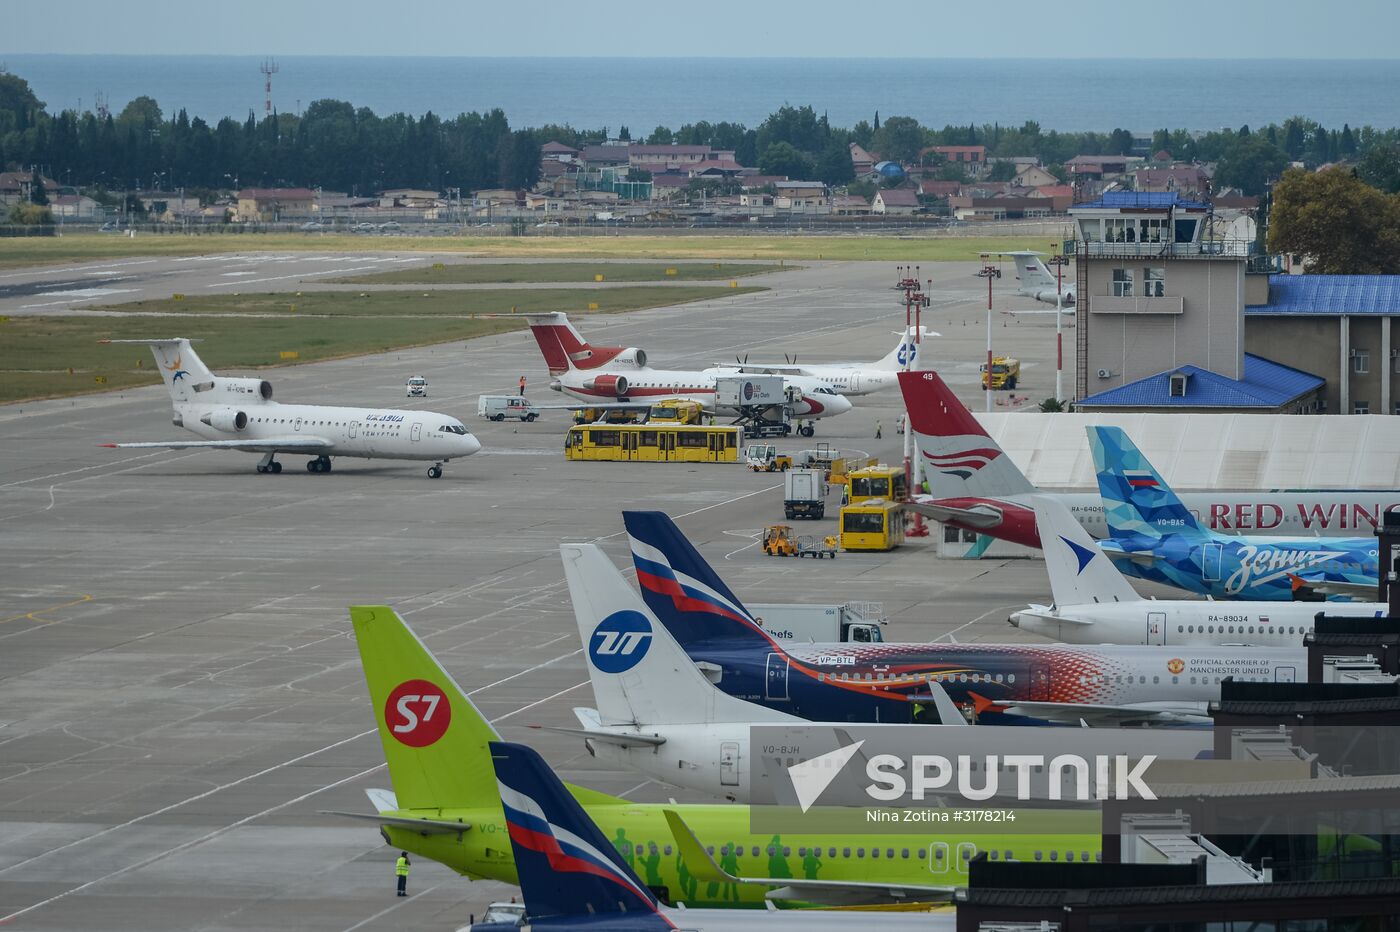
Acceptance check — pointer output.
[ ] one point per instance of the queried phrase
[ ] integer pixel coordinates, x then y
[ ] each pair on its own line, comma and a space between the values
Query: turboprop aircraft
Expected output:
573, 877
973, 485
852, 378
658, 713
446, 805
239, 414
1094, 604
1154, 536
893, 682
608, 376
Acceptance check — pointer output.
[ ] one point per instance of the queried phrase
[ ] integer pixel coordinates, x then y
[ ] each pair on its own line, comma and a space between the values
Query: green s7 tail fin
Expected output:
435, 739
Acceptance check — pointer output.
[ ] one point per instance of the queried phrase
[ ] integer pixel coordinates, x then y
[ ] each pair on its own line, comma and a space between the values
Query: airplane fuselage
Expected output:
818, 399
1185, 623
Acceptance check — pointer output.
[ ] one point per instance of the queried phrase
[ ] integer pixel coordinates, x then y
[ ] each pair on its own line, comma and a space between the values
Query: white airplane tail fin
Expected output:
1080, 573
640, 674
1032, 273
906, 351
180, 366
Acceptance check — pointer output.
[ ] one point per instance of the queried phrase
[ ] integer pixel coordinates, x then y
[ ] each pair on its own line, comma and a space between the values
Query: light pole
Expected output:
989, 272
1058, 260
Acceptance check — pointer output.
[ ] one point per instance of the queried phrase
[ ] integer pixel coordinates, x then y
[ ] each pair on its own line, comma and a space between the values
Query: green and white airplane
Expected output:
446, 806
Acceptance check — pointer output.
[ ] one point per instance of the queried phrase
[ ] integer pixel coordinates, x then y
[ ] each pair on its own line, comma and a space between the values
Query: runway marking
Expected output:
45, 611
990, 611
526, 708
74, 268
387, 910
276, 278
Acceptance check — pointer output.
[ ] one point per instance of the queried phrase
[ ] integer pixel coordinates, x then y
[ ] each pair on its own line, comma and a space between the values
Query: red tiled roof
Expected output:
933, 188
898, 197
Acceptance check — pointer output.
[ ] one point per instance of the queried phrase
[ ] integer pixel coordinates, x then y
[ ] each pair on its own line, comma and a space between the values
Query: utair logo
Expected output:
175, 368
620, 641
905, 354
895, 778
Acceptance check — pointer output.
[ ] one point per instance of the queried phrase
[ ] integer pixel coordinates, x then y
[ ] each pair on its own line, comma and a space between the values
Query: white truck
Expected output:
798, 623
416, 387
500, 407
743, 391
804, 493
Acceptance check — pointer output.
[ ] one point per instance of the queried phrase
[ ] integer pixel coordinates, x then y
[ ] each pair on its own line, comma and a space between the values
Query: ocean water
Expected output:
642, 93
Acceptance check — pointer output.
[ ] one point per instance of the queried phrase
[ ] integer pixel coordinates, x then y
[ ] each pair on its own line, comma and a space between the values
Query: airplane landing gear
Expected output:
319, 464
268, 464
435, 472
807, 430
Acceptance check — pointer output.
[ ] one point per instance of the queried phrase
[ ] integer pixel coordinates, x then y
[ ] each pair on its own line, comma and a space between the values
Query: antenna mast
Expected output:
268, 68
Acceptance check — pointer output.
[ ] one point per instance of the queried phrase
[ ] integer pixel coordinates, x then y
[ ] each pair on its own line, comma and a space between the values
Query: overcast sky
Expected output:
788, 28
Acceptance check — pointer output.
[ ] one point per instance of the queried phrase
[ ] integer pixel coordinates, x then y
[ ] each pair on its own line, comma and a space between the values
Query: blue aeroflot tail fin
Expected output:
680, 588
565, 864
1136, 500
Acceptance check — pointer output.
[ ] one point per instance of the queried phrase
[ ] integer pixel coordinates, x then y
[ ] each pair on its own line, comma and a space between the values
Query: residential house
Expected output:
799, 195
970, 156
408, 199
555, 151
940, 189
849, 205
863, 162
267, 205
754, 182
1061, 196
168, 206
894, 202
15, 187
1189, 180
1033, 176
74, 207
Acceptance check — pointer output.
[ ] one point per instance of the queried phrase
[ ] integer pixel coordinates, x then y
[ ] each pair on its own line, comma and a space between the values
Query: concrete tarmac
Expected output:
179, 691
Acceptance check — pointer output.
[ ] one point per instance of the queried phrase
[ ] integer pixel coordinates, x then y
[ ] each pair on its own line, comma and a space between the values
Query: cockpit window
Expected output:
824, 391
453, 428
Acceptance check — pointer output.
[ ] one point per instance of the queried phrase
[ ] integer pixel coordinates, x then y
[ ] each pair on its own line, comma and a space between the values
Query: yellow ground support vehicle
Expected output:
1006, 370
606, 416
873, 524
676, 411
779, 541
881, 481
652, 443
764, 457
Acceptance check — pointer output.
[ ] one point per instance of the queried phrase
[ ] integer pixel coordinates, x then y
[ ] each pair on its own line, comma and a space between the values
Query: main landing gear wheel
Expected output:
435, 472
806, 430
319, 464
268, 464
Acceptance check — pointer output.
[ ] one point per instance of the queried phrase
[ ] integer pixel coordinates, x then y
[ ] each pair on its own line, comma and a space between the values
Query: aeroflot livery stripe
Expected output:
688, 595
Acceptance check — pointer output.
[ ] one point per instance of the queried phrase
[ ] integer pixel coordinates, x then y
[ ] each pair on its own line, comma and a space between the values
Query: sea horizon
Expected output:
592, 92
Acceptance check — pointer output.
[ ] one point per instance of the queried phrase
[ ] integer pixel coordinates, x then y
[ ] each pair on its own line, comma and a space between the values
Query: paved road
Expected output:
179, 694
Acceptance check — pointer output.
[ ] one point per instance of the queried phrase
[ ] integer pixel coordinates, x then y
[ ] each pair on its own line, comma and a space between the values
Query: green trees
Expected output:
37, 195
782, 158
1380, 168
900, 139
1250, 163
1343, 225
834, 164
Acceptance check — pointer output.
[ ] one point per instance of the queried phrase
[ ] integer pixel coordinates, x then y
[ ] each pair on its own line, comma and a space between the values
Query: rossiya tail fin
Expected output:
566, 866
959, 459
1136, 500
1079, 571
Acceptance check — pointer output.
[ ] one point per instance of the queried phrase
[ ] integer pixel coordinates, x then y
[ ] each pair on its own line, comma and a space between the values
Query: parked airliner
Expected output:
975, 486
1094, 604
1037, 282
239, 414
854, 378
603, 374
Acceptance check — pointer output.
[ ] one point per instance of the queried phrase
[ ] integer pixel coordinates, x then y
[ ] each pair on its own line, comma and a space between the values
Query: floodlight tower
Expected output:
268, 69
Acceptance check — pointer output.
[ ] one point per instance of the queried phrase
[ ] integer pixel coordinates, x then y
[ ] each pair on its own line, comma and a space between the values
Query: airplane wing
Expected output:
1357, 592
830, 892
266, 445
422, 826
980, 516
1040, 611
1049, 310
622, 739
1094, 714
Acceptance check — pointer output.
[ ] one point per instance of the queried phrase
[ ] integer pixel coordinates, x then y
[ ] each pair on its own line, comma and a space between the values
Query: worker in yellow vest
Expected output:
401, 869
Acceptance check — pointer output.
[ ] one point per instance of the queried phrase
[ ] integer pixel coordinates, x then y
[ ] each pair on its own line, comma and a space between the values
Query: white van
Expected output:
500, 407
417, 387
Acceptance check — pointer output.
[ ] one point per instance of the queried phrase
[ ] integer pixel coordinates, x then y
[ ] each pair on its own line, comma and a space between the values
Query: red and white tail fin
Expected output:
564, 348
959, 459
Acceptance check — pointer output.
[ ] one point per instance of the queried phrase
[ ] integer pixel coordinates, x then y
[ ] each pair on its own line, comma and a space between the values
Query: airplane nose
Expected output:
839, 404
470, 445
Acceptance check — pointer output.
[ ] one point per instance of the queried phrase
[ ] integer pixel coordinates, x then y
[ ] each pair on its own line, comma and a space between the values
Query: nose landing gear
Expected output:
435, 471
319, 464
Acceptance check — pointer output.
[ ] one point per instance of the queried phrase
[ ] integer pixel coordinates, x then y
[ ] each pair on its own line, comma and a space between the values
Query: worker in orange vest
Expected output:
522, 386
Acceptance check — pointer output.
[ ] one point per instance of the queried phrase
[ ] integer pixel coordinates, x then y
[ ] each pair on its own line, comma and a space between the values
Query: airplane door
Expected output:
1285, 674
729, 763
1156, 628
1210, 562
776, 682
296, 425
416, 434
354, 429
854, 385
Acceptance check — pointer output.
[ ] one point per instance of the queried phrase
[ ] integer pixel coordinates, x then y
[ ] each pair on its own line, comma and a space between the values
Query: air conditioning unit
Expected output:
1105, 374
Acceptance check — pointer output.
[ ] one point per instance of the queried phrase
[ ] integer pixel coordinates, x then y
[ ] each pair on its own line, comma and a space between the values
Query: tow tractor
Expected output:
779, 541
764, 457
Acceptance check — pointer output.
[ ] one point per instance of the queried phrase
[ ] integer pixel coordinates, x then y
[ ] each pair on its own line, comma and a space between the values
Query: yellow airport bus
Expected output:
878, 481
872, 525
654, 443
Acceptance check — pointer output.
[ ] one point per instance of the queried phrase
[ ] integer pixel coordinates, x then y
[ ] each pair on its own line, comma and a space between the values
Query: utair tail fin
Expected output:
1136, 500
681, 588
959, 458
434, 738
565, 864
181, 369
1079, 572
640, 674
564, 348
907, 353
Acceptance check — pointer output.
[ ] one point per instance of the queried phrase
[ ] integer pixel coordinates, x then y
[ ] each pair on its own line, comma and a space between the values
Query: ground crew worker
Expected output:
401, 869
522, 386
877, 430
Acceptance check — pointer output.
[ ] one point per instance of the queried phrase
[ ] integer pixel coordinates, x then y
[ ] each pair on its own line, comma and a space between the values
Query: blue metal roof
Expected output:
1330, 295
1111, 200
1266, 384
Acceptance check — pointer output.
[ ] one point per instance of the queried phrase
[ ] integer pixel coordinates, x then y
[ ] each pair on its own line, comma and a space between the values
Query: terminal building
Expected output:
1173, 318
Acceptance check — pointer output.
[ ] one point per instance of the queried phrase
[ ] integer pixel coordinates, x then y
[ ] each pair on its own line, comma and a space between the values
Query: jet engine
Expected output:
229, 420
258, 388
631, 356
615, 385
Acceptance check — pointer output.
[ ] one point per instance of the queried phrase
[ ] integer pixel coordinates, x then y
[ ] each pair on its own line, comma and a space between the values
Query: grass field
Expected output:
476, 273
36, 353
912, 248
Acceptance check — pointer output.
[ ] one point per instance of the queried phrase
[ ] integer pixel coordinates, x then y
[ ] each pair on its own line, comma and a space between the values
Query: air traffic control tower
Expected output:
1160, 316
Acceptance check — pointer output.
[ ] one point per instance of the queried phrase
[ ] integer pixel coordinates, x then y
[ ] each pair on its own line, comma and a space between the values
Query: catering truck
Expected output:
798, 623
